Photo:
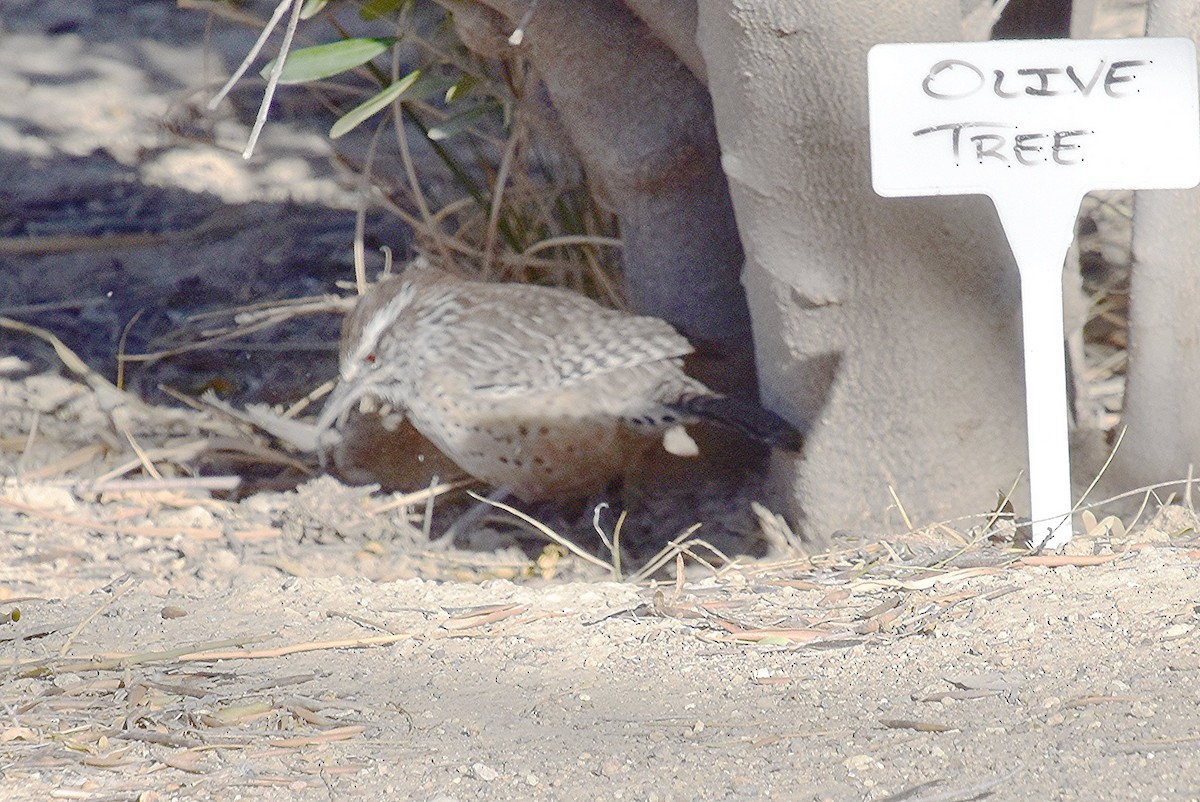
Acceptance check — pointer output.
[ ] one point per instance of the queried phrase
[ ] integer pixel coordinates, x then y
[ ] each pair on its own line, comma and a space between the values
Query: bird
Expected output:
538, 390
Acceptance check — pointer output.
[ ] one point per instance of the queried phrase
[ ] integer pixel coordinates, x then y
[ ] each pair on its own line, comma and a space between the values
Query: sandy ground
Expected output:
159, 643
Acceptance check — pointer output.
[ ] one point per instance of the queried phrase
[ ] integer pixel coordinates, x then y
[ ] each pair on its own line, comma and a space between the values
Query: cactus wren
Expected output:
536, 389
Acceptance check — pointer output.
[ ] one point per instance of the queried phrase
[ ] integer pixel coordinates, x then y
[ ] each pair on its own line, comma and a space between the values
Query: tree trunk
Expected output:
893, 324
1162, 440
643, 127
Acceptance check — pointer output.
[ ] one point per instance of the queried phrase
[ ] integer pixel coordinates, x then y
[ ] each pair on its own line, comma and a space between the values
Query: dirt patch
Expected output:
161, 644
170, 647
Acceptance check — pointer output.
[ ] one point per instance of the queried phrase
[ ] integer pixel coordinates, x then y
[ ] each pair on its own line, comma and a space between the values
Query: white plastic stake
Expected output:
1035, 125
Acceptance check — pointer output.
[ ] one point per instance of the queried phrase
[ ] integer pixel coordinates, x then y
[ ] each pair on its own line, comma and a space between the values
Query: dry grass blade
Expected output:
545, 530
915, 726
484, 616
571, 240
613, 544
967, 792
121, 662
125, 587
939, 577
683, 544
182, 453
328, 736
206, 483
143, 458
1104, 468
69, 359
360, 213
211, 339
200, 533
430, 227
423, 495
207, 656
774, 634
908, 524
73, 461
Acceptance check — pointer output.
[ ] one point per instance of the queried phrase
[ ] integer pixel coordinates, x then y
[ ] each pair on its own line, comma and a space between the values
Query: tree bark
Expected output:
1162, 439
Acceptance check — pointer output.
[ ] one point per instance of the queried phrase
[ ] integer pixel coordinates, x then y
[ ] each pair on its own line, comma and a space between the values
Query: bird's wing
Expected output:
559, 340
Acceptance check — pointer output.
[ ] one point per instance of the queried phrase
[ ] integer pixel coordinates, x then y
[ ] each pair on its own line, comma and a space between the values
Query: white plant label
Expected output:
1035, 125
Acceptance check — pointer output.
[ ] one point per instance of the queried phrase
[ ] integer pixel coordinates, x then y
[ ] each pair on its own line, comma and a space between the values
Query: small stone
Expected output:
50, 499
859, 762
1176, 631
1141, 710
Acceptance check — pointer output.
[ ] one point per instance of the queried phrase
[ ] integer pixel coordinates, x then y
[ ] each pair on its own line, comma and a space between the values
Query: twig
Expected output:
612, 544
260, 323
126, 586
253, 54
667, 553
146, 463
366, 188
76, 459
493, 223
410, 169
970, 791
121, 346
196, 656
222, 10
1103, 468
50, 306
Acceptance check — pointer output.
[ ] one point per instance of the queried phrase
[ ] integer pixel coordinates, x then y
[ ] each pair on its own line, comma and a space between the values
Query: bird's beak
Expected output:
343, 397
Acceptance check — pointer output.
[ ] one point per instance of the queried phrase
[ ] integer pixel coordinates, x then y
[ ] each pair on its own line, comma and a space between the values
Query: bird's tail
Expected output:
750, 419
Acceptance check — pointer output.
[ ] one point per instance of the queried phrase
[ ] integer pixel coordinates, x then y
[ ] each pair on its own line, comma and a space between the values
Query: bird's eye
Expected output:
370, 358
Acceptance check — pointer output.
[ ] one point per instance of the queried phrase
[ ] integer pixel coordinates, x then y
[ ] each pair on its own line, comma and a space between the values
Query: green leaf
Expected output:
461, 88
775, 640
461, 122
429, 85
321, 61
374, 9
351, 119
312, 8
